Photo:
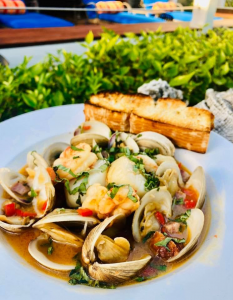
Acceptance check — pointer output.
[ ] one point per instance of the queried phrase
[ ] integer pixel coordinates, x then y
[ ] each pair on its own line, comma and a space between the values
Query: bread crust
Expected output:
169, 111
175, 112
194, 140
115, 120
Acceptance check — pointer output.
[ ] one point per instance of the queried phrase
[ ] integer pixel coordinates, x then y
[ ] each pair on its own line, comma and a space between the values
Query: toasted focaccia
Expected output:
115, 120
187, 127
194, 140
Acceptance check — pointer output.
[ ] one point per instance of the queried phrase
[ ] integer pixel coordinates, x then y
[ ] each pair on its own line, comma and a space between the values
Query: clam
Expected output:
68, 217
112, 251
35, 160
159, 159
96, 175
92, 130
33, 249
172, 165
122, 171
15, 224
53, 152
60, 235
111, 272
128, 141
170, 180
155, 200
152, 140
8, 179
195, 224
197, 182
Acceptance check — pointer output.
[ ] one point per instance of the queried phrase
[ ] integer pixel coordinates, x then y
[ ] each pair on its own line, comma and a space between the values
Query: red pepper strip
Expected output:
160, 217
180, 165
44, 206
86, 127
9, 209
21, 213
85, 212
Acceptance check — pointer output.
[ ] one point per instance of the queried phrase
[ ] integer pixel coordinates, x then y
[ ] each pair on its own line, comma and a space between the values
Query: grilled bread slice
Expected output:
194, 140
187, 127
117, 121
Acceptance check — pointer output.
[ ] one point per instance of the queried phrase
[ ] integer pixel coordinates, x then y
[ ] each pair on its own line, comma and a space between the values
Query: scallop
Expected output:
162, 202
153, 140
92, 130
121, 171
111, 272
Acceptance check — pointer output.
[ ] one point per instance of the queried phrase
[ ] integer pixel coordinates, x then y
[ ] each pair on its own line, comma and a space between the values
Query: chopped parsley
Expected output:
151, 152
33, 193
115, 188
75, 148
139, 135
104, 167
75, 157
49, 245
179, 201
152, 182
147, 236
96, 149
79, 276
164, 242
140, 279
63, 168
183, 218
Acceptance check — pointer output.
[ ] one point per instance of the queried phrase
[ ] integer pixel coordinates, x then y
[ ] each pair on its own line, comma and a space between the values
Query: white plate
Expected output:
207, 275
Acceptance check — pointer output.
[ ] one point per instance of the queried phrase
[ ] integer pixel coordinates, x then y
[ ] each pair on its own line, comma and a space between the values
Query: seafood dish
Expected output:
111, 208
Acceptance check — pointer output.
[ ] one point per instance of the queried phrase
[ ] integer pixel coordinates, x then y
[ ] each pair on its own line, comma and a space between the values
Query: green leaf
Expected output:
183, 218
75, 148
147, 236
89, 37
164, 242
224, 69
190, 58
219, 81
181, 80
211, 61
57, 98
130, 195
30, 100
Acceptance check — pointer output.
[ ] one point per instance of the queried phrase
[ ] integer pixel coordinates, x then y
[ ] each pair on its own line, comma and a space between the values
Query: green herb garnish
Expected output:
75, 157
104, 167
179, 201
33, 193
152, 182
139, 135
140, 279
183, 218
130, 195
164, 242
151, 152
147, 236
75, 148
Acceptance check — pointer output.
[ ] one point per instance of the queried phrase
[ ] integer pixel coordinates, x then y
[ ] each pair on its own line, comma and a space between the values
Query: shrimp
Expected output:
99, 201
76, 160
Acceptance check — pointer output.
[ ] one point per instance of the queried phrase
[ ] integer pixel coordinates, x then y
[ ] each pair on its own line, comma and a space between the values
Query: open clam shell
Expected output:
92, 130
162, 201
53, 152
60, 235
69, 216
33, 249
152, 140
195, 224
7, 179
34, 160
114, 272
170, 165
128, 141
198, 182
14, 224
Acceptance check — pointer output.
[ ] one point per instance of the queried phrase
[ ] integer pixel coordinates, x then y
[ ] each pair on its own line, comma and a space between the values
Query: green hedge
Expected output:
185, 58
